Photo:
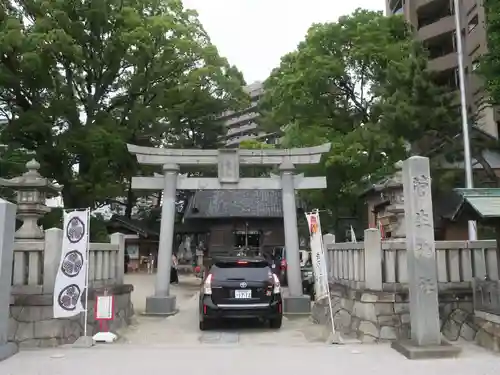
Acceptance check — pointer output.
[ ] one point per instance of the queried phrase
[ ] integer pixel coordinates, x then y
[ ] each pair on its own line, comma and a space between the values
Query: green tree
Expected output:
253, 144
255, 170
489, 66
81, 78
362, 84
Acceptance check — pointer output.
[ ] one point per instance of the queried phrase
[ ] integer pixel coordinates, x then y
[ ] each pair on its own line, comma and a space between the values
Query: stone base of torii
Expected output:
228, 162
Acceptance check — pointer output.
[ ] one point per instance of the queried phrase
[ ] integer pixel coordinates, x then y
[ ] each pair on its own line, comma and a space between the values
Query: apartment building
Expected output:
434, 21
242, 125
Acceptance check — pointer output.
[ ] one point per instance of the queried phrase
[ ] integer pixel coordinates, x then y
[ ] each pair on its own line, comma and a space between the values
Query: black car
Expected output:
240, 288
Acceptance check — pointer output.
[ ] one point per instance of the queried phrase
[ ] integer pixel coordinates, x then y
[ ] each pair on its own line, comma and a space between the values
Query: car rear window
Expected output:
237, 271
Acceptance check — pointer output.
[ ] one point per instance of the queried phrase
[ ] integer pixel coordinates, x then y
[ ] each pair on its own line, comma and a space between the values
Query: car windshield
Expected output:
240, 271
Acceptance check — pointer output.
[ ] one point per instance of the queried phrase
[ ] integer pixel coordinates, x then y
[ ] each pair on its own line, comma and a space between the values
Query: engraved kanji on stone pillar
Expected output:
421, 252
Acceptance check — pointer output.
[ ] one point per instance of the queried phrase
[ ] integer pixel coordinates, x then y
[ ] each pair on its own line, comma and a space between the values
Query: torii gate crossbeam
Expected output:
228, 162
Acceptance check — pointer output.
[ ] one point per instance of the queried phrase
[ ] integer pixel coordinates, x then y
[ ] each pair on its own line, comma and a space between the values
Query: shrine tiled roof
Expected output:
479, 204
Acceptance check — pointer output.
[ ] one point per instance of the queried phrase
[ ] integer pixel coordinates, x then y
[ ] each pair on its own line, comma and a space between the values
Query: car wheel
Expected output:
276, 322
204, 325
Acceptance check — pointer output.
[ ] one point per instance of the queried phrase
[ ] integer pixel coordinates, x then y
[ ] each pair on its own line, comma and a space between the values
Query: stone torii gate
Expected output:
228, 162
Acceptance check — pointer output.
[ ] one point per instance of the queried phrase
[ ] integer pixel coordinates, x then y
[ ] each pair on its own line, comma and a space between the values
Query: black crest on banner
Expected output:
68, 297
72, 263
75, 230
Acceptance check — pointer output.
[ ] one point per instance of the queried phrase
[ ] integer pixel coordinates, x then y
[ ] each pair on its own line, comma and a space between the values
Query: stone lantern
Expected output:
394, 215
32, 190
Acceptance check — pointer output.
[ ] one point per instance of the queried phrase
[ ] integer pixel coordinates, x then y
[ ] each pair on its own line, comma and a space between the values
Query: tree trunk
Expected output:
73, 198
131, 200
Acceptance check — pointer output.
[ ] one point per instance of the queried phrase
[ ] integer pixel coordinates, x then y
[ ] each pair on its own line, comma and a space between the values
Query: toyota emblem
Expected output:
243, 285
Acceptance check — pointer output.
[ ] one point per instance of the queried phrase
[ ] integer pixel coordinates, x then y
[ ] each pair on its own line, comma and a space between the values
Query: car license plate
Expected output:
243, 294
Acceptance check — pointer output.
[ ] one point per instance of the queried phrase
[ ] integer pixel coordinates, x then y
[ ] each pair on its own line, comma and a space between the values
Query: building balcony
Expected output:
241, 129
255, 89
421, 3
476, 38
443, 26
445, 62
242, 118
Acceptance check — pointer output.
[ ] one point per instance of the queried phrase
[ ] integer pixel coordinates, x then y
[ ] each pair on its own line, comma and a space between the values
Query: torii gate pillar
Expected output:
296, 302
228, 162
162, 302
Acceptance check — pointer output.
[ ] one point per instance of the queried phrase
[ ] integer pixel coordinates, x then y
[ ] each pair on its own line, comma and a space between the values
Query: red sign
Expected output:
104, 310
313, 227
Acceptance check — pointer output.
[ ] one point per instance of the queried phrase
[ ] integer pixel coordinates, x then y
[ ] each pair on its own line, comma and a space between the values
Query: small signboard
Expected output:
104, 307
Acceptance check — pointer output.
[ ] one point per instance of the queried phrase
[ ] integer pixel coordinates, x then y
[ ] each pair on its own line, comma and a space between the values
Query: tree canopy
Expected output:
362, 84
489, 64
81, 78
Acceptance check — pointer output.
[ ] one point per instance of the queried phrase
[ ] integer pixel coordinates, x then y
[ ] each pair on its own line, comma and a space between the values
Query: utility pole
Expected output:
469, 182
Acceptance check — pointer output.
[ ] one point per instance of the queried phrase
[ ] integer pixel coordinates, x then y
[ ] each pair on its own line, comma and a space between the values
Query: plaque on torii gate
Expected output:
228, 162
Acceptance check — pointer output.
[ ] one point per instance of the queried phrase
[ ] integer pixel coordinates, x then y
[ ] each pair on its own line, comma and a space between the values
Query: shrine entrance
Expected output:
247, 239
228, 162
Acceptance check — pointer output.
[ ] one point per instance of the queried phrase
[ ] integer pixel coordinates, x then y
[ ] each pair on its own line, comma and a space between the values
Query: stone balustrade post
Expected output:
51, 258
328, 239
373, 259
7, 229
119, 239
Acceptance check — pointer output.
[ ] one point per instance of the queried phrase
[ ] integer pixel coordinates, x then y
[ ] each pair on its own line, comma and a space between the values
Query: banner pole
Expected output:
328, 294
325, 276
87, 258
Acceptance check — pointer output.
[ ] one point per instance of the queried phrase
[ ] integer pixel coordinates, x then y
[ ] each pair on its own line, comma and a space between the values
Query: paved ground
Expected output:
144, 286
182, 328
233, 359
175, 345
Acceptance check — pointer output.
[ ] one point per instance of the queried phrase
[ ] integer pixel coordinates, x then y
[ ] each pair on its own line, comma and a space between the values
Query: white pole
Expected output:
330, 306
325, 276
469, 184
86, 311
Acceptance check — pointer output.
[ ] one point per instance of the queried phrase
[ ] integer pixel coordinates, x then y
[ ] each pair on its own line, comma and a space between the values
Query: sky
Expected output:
254, 34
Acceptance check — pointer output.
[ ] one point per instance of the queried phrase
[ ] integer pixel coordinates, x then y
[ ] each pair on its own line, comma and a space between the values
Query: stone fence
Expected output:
370, 296
34, 269
382, 265
35, 263
29, 260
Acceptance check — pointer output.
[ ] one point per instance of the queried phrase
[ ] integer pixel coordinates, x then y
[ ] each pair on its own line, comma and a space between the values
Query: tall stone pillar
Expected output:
296, 302
162, 303
7, 229
426, 339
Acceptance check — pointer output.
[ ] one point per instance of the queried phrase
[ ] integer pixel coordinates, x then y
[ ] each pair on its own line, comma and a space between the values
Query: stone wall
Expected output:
374, 316
481, 327
370, 316
31, 322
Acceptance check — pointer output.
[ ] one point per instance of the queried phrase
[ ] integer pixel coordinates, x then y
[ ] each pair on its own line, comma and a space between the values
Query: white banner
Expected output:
318, 256
71, 278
